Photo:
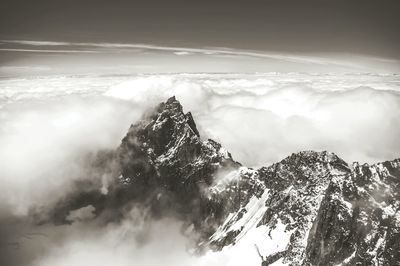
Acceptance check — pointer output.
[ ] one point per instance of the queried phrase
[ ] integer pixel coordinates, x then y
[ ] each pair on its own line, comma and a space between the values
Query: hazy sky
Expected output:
311, 27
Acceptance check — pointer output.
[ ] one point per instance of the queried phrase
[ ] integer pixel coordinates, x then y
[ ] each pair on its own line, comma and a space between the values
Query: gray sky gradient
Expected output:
59, 36
367, 27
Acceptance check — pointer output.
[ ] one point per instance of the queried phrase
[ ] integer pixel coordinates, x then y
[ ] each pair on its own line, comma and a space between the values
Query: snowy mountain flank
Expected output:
311, 208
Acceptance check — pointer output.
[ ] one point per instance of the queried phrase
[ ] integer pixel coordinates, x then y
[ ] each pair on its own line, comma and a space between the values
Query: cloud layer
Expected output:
47, 125
263, 118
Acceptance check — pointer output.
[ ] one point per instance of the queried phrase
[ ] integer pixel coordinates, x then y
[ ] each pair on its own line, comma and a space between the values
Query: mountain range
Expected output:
311, 208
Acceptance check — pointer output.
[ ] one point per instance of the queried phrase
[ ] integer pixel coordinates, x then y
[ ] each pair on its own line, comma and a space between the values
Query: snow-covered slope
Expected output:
316, 210
284, 209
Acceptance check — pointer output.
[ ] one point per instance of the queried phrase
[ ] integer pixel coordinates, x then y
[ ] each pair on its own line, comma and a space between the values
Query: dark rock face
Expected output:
359, 219
334, 214
290, 193
164, 156
331, 213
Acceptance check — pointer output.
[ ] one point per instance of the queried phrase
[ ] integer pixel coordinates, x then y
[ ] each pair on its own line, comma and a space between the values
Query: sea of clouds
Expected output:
48, 124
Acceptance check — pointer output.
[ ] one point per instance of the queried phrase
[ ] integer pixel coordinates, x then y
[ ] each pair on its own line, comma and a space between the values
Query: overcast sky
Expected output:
318, 25
367, 28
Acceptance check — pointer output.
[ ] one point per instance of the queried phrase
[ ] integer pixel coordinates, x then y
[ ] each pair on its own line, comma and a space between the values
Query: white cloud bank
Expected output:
45, 123
263, 118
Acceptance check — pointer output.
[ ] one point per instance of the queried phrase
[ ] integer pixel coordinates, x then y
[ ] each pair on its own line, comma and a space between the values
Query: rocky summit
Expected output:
311, 208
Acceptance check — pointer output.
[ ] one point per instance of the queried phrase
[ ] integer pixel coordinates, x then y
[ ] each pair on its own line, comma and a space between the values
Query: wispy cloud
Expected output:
45, 50
35, 43
179, 51
295, 62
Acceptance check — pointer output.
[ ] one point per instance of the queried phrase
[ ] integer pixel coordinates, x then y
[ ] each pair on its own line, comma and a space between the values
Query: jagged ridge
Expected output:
324, 211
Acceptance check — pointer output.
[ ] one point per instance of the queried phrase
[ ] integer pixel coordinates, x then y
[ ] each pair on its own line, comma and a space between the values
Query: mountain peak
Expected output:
315, 156
165, 153
172, 105
172, 99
